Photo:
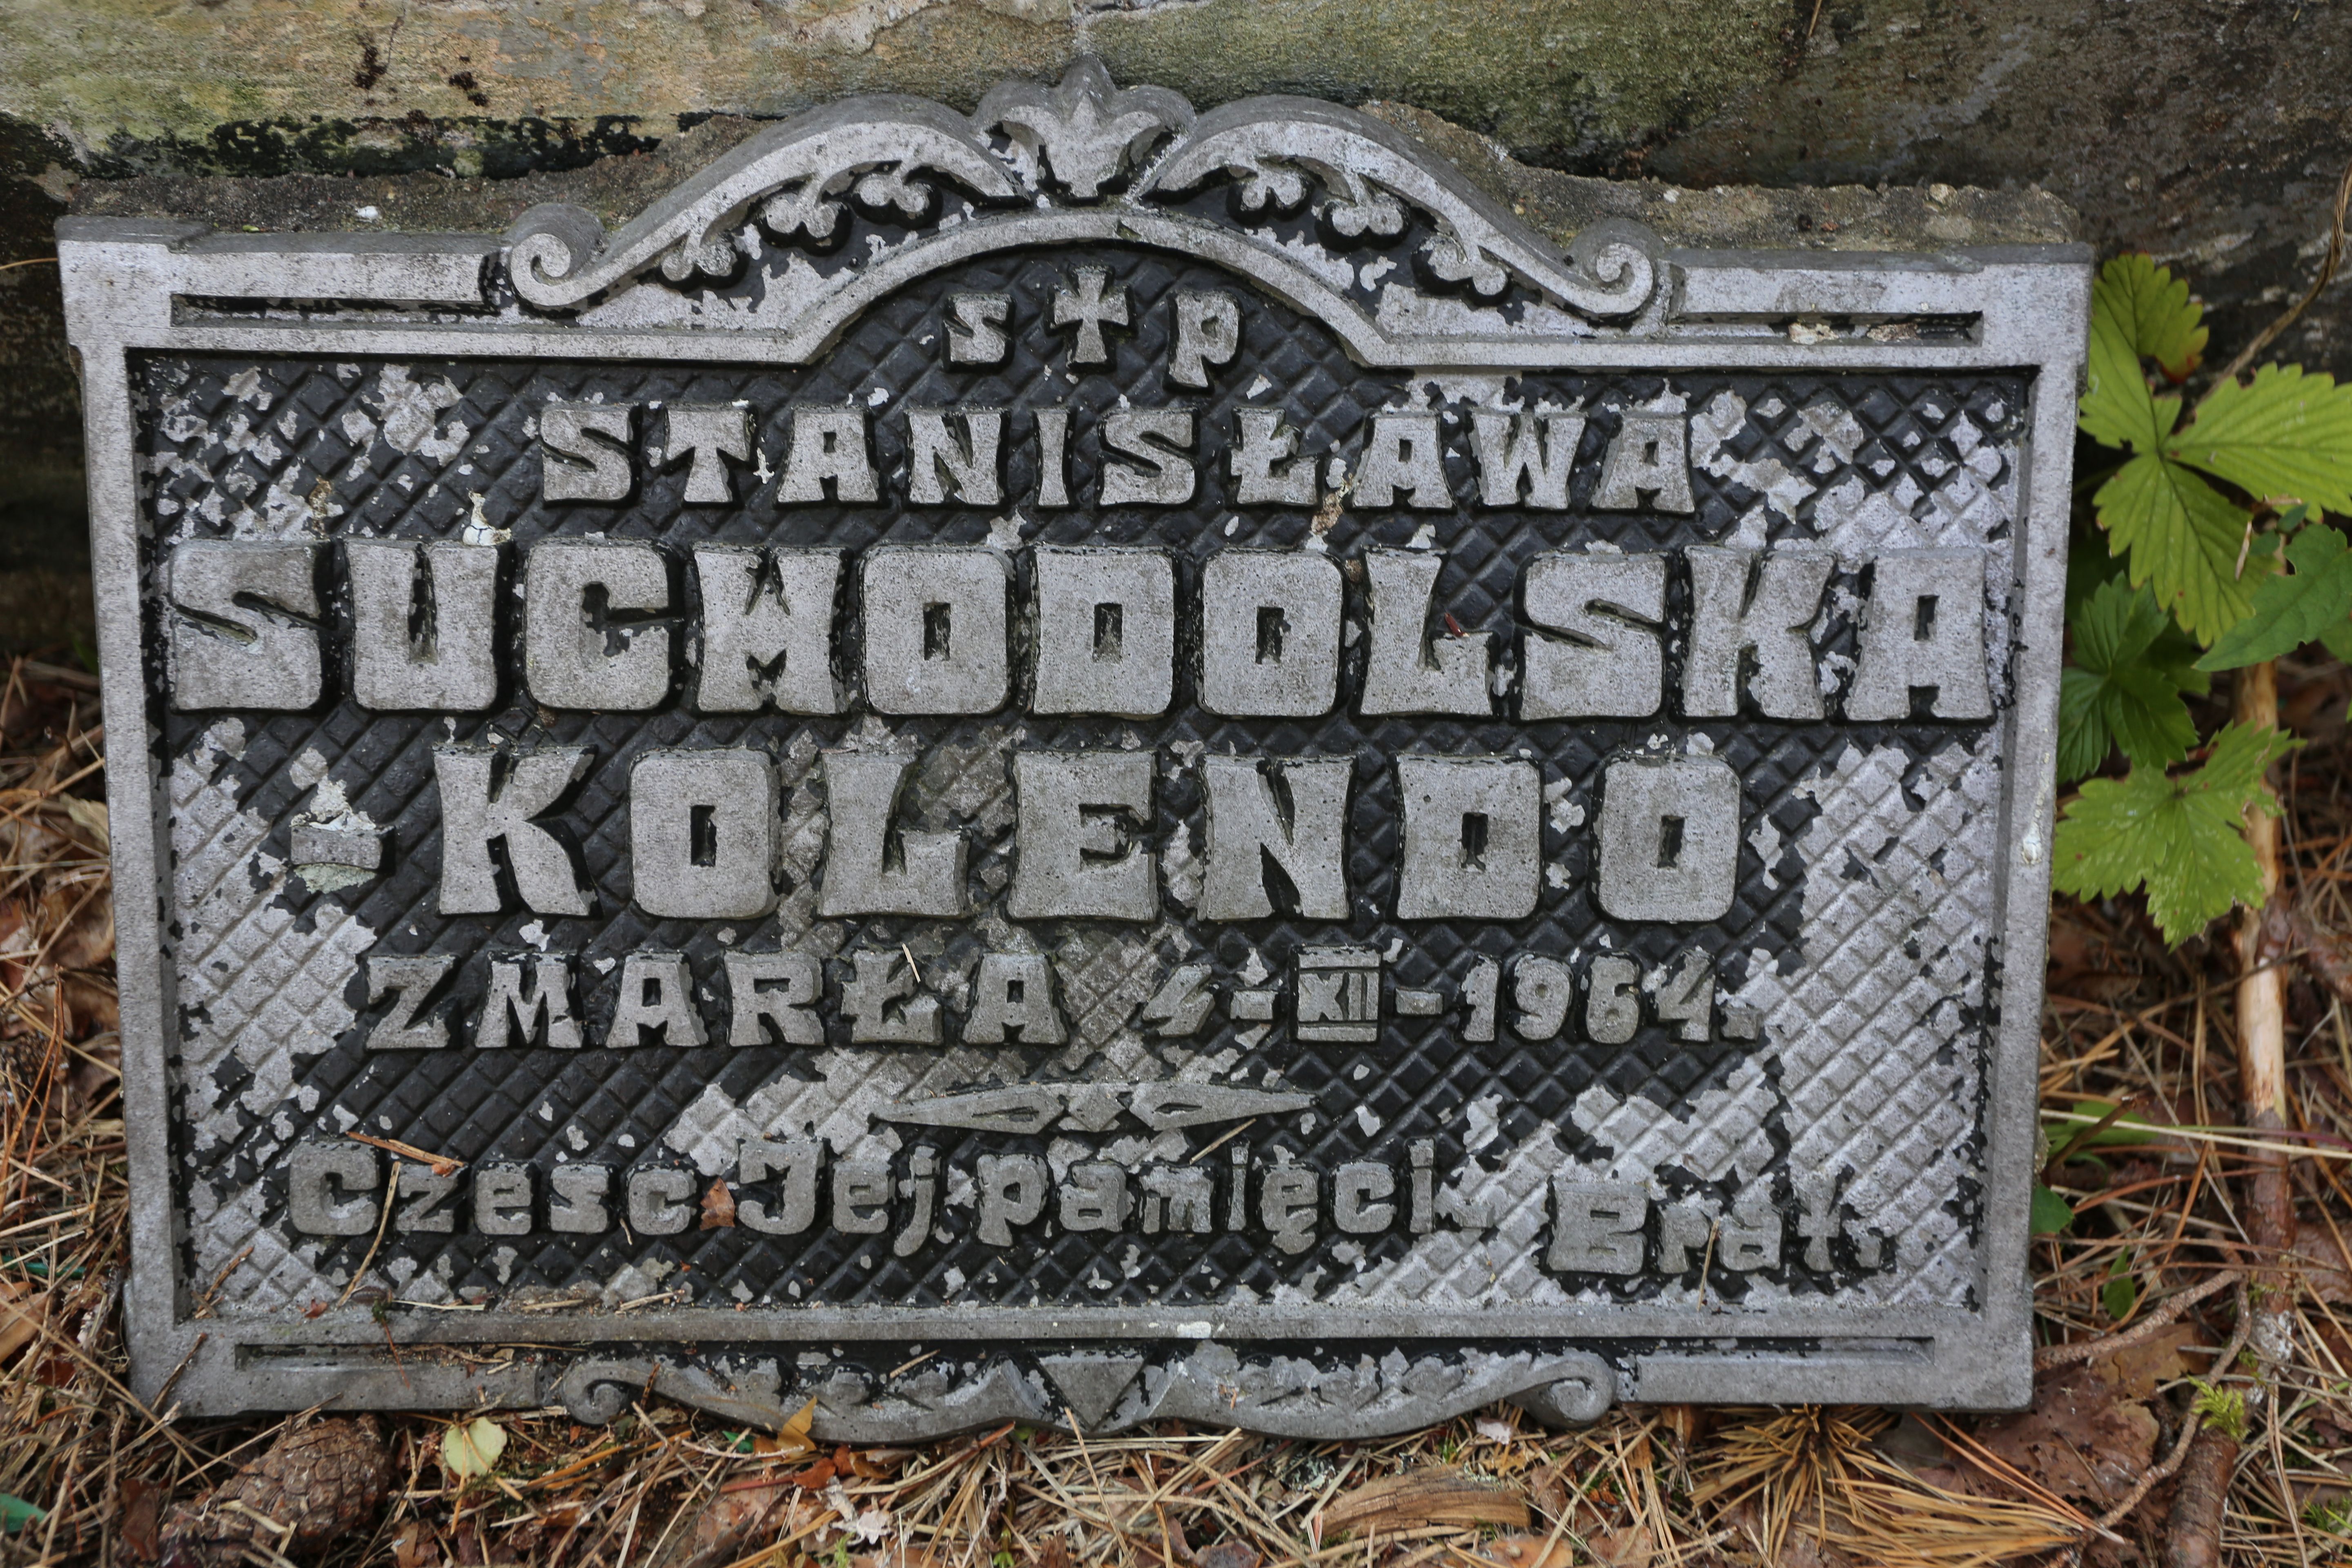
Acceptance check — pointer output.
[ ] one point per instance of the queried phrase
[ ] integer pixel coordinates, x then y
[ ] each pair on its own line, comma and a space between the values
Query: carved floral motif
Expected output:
1087, 130
1068, 147
1111, 1390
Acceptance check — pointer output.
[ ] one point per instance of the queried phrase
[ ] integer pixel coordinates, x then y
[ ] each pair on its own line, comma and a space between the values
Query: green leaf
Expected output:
2124, 1131
2154, 310
2051, 1213
2223, 1408
16, 1514
2237, 759
2116, 408
2337, 640
2119, 1295
2178, 837
2124, 686
2185, 538
2286, 434
2291, 610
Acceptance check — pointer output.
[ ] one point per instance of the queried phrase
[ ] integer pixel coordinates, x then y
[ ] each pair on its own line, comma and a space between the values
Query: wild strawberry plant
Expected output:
2218, 557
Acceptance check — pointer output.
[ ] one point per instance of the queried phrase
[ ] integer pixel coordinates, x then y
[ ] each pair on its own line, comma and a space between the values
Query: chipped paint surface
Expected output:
1853, 858
720, 896
262, 990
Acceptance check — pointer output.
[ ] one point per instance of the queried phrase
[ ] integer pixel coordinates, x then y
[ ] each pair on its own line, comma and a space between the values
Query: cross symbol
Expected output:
1818, 1221
1092, 303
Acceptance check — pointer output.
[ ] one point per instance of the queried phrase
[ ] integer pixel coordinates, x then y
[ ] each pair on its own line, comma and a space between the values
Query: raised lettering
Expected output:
1288, 826
584, 451
596, 634
1080, 815
423, 624
1606, 661
709, 434
497, 798
243, 624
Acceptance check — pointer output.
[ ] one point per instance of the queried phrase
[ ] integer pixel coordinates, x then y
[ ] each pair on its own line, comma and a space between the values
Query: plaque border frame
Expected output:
139, 286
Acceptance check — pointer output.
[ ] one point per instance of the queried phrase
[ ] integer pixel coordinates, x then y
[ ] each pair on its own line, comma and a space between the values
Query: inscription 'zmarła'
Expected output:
1011, 743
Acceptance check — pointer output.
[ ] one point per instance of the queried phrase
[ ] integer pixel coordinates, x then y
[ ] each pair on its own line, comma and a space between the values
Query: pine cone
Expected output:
313, 1485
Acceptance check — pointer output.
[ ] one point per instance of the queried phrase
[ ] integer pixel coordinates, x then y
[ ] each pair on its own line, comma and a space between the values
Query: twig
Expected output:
2270, 334
2193, 1532
382, 1224
2140, 1332
204, 1303
440, 1164
2156, 1475
1222, 1139
164, 1395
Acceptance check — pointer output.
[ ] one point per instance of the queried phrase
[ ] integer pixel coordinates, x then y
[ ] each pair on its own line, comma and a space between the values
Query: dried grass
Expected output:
1667, 1487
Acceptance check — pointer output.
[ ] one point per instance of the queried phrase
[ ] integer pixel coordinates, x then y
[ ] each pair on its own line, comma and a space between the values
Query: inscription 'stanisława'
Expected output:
1156, 751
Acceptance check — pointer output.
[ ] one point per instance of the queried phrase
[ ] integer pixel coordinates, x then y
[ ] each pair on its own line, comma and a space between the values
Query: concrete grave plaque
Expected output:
1084, 763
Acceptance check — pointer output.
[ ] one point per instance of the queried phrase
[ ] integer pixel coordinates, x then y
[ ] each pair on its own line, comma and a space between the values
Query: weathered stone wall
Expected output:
2207, 131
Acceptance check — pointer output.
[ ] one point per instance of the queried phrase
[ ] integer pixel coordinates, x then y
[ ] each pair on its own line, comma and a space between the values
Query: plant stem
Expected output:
2262, 988
2265, 1326
2262, 1044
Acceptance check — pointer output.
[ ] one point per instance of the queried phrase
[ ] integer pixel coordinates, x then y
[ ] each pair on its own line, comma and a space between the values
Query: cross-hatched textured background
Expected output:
270, 1047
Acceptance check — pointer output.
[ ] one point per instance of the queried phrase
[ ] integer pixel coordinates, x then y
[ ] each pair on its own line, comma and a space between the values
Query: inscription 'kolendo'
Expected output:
952, 630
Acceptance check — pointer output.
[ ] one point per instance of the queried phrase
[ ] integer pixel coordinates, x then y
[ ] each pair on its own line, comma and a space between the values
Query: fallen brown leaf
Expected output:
792, 1438
729, 1523
871, 1463
97, 1071
2320, 1263
2080, 1440
814, 1478
90, 1006
1626, 1548
2134, 1372
84, 932
1531, 1551
1422, 1497
23, 1310
1548, 1490
718, 1205
142, 1512
413, 1545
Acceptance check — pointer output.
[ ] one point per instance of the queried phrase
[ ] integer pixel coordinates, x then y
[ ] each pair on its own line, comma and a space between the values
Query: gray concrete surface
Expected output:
2207, 132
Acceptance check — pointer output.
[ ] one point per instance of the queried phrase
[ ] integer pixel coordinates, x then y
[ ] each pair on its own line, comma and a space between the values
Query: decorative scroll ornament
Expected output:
875, 148
1068, 146
1369, 170
1098, 1392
